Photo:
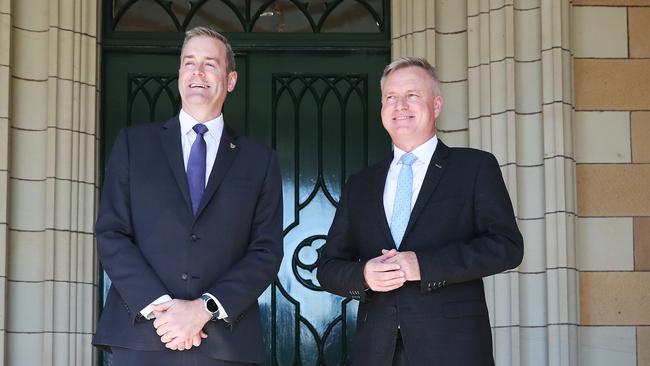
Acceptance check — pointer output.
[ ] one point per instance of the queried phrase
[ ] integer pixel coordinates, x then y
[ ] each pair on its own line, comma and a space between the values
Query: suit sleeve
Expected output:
340, 271
129, 271
242, 284
496, 245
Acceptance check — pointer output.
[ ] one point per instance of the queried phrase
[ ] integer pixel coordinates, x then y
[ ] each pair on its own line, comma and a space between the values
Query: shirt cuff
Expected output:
147, 312
222, 311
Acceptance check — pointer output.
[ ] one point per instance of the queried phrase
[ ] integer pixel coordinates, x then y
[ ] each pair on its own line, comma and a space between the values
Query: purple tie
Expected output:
196, 167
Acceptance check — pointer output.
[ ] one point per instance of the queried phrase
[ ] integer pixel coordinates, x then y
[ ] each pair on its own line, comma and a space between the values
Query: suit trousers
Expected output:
399, 357
192, 357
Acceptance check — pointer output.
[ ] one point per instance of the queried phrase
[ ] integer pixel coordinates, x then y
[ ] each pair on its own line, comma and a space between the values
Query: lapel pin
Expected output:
232, 146
438, 166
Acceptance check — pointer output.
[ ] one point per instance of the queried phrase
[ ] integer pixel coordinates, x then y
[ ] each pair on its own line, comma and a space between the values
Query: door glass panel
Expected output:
148, 15
220, 16
282, 16
264, 16
352, 17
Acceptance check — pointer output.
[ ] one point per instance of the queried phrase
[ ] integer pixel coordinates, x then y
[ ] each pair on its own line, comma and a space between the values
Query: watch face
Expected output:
212, 306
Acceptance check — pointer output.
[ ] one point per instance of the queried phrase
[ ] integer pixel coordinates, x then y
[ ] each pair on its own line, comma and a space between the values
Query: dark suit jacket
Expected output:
462, 228
151, 244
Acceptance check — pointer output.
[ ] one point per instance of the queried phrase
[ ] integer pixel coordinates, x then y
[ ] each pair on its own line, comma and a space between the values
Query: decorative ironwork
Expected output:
297, 263
151, 97
315, 118
315, 16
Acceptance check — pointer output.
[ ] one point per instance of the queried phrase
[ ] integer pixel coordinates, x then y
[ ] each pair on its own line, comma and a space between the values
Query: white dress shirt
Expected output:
212, 138
424, 153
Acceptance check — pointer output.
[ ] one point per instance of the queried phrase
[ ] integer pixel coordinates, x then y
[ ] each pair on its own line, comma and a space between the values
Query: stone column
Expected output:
50, 290
507, 83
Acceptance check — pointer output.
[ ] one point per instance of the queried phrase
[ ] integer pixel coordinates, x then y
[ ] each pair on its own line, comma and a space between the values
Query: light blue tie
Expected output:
403, 197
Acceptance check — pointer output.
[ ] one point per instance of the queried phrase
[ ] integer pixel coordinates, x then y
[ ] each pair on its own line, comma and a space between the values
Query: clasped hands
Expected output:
179, 323
391, 270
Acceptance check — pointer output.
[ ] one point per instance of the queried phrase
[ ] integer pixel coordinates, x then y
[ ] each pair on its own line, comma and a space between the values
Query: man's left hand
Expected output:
408, 263
178, 321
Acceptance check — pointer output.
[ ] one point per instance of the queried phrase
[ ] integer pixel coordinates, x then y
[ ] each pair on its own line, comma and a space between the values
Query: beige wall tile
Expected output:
29, 196
29, 107
640, 137
30, 49
31, 14
4, 92
64, 64
639, 24
532, 299
615, 298
4, 144
607, 346
528, 76
602, 137
613, 189
3, 266
5, 32
611, 2
5, 6
454, 113
451, 15
25, 304
643, 345
24, 349
605, 244
642, 244
4, 176
530, 185
28, 154
600, 31
27, 255
612, 84
452, 65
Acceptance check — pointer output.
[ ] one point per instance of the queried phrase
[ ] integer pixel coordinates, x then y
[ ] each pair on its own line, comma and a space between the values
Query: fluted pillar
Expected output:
5, 59
506, 75
51, 175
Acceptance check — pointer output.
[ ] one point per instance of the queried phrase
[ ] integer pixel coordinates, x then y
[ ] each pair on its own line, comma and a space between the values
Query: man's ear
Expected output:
437, 106
232, 80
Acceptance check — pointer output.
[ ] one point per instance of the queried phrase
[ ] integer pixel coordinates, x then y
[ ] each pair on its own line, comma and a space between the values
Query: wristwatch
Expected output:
210, 306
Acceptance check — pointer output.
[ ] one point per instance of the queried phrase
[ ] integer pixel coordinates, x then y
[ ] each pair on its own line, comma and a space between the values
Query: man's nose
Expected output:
199, 70
401, 102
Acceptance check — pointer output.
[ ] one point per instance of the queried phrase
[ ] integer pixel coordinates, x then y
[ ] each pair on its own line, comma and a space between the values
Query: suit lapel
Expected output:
379, 177
225, 156
171, 142
436, 169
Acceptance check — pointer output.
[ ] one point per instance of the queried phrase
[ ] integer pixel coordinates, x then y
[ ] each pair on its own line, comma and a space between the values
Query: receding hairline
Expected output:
210, 32
406, 62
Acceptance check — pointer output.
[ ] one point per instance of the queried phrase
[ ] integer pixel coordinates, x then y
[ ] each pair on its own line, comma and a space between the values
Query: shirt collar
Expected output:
215, 126
424, 152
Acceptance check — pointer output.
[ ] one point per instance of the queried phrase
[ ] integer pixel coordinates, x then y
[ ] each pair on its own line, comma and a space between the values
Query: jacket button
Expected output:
184, 276
194, 237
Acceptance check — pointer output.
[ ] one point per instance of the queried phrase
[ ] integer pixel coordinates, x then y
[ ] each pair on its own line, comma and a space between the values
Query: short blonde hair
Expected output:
404, 62
201, 31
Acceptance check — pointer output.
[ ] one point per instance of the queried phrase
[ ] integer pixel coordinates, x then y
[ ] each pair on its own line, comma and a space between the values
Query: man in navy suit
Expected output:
189, 227
414, 235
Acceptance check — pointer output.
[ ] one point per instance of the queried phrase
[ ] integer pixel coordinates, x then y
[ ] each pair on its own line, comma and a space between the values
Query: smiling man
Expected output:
414, 235
189, 227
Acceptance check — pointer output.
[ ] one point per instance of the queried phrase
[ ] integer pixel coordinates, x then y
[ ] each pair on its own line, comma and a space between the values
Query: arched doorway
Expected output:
308, 86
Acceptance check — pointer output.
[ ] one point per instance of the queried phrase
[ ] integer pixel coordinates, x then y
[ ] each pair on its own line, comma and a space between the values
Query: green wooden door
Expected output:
315, 99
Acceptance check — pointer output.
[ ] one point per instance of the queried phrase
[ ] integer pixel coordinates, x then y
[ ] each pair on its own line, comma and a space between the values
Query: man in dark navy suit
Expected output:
414, 235
189, 227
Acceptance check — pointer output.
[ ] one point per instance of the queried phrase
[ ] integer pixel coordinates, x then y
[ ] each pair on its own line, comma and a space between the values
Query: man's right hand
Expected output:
194, 340
381, 276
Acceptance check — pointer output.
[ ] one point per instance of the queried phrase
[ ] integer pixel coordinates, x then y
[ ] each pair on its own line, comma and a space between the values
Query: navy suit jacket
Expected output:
462, 228
151, 244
